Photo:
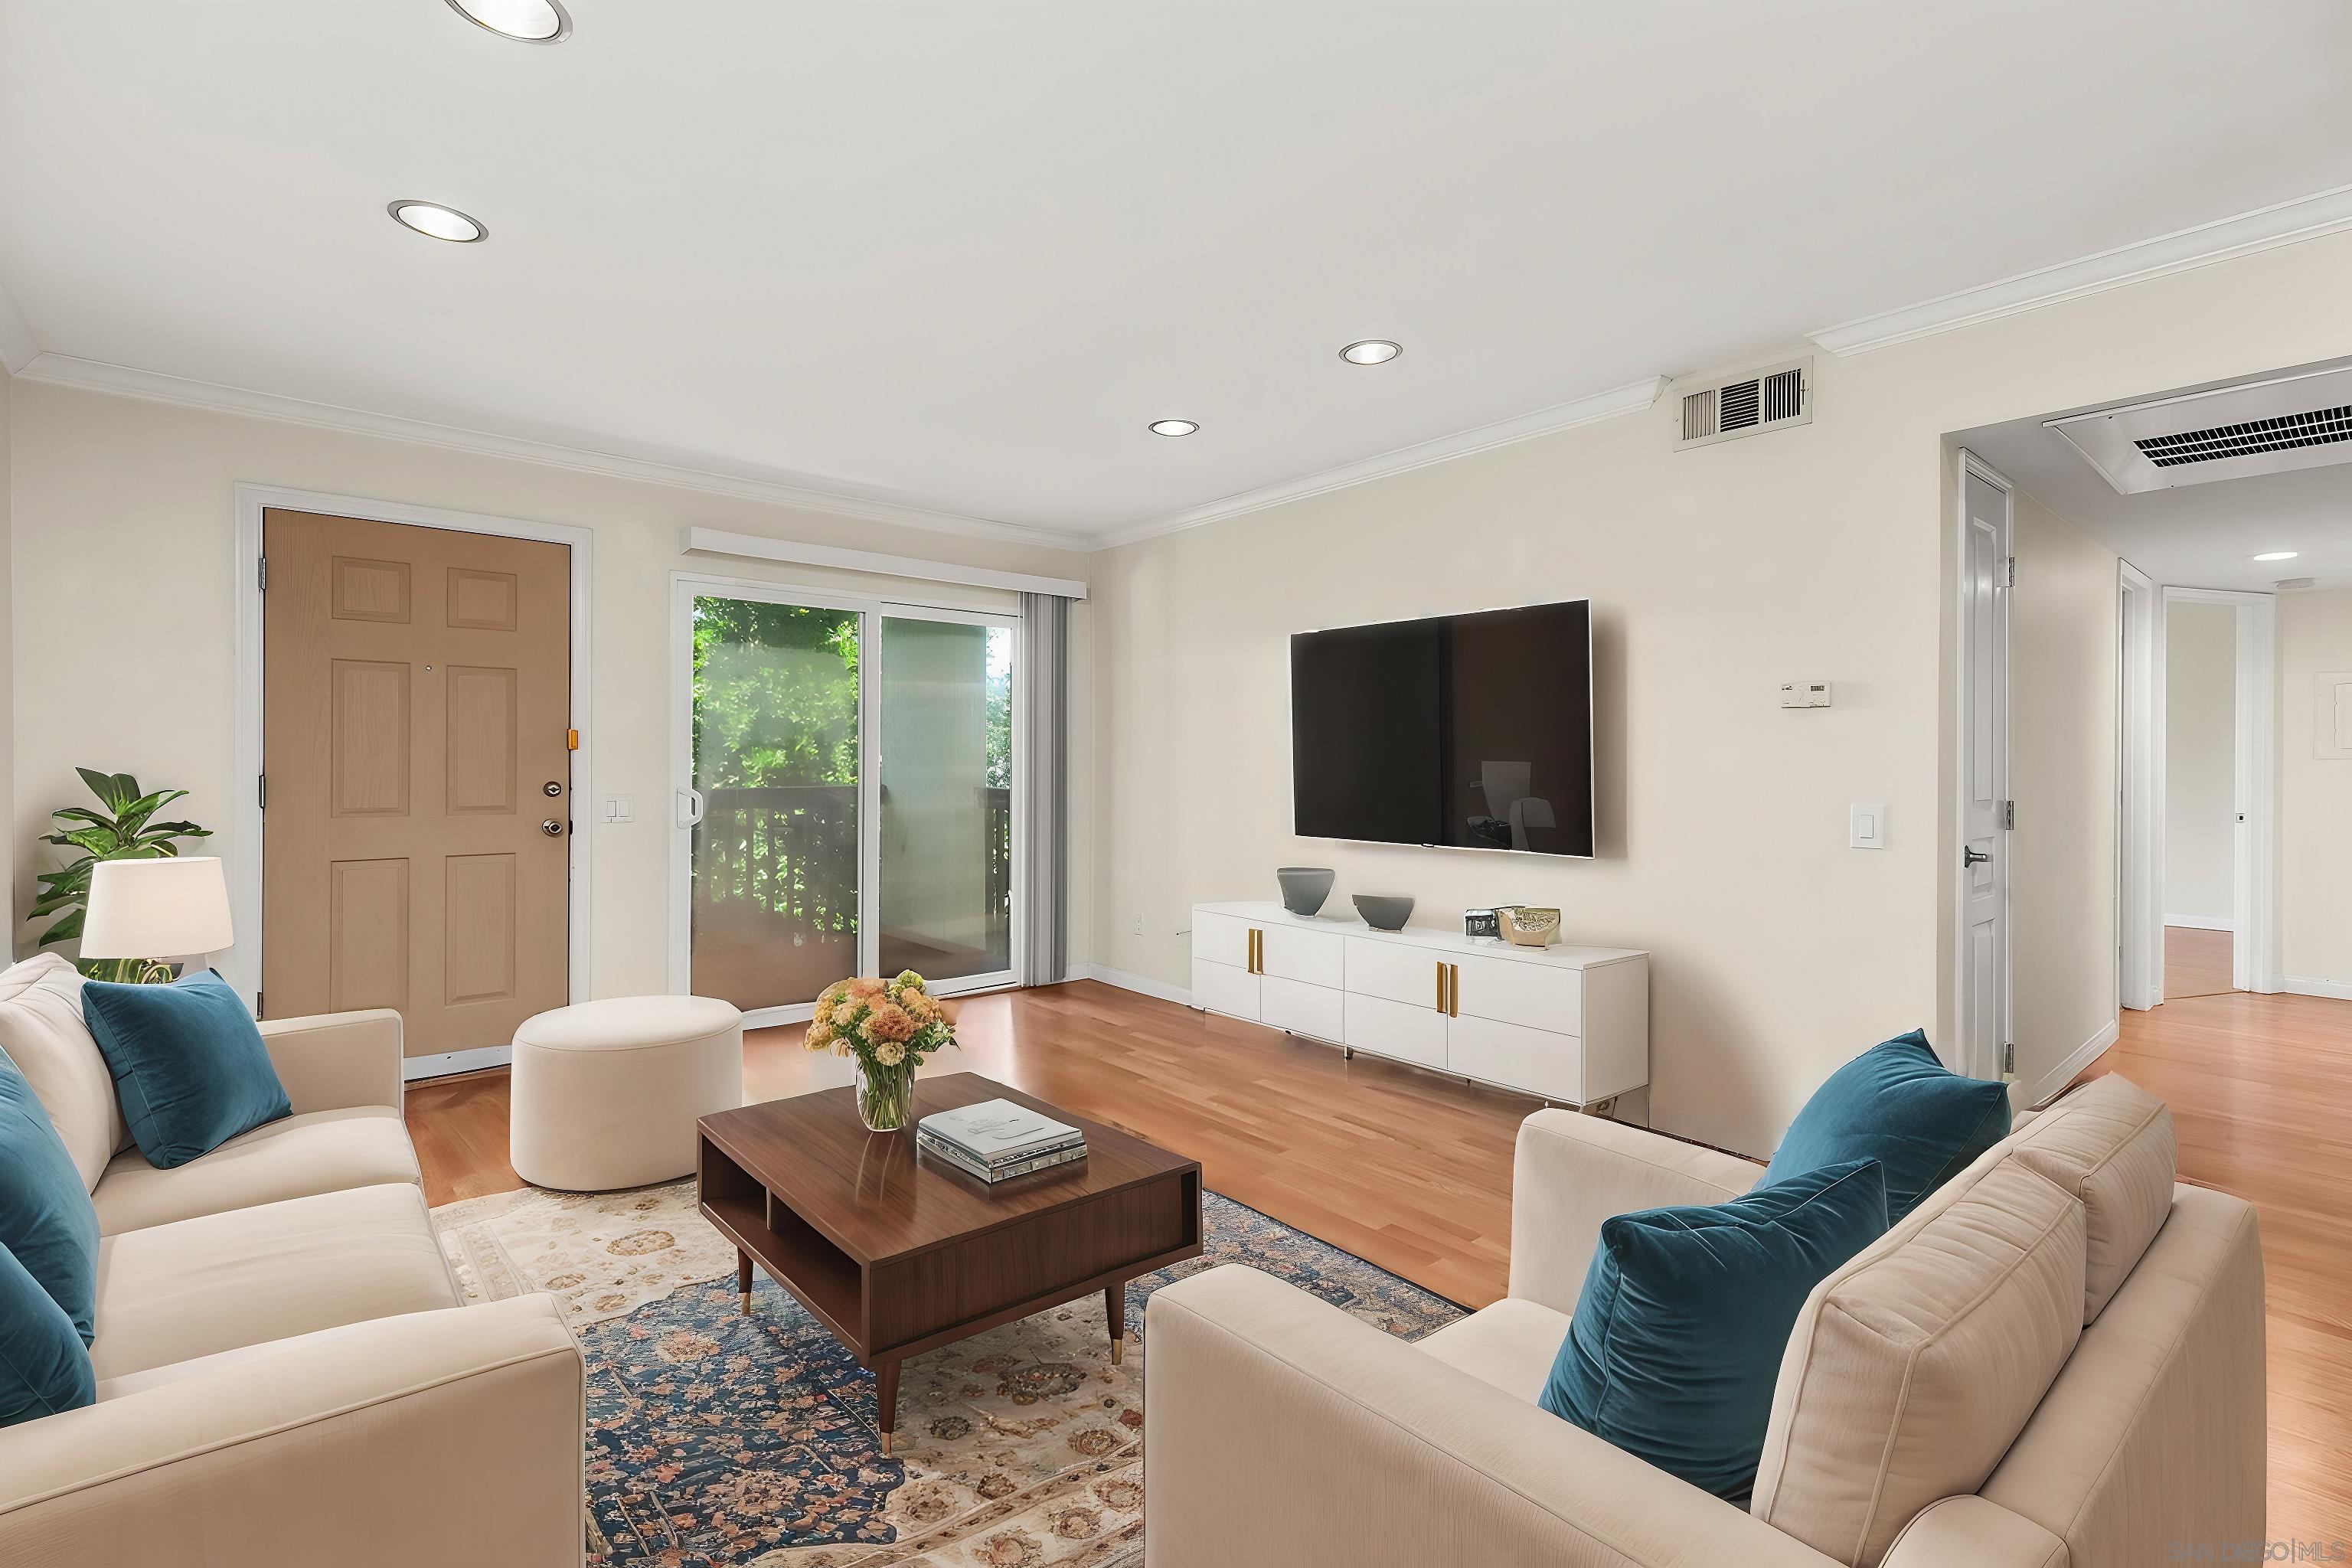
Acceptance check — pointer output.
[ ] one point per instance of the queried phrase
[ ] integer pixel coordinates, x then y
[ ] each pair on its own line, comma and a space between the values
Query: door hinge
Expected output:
2012, 571
2009, 815
261, 791
256, 1006
2008, 1061
262, 575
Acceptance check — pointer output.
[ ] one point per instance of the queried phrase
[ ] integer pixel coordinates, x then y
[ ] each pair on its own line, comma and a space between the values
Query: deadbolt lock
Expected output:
551, 789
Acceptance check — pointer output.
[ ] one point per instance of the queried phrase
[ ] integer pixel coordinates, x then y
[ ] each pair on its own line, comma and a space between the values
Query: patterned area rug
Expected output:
717, 1439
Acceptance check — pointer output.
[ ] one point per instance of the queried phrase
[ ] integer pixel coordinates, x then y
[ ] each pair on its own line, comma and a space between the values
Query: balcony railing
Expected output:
791, 851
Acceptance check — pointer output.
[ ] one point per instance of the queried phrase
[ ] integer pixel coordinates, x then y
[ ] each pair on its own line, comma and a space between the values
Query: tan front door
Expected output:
417, 785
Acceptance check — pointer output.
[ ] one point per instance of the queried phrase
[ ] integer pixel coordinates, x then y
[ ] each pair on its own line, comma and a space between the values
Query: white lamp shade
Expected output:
156, 909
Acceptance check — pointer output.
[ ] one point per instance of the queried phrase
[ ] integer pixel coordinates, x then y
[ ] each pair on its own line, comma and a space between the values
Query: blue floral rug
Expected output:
749, 1442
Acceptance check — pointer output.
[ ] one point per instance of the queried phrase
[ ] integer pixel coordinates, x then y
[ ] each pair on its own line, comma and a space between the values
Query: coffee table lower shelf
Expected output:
885, 1304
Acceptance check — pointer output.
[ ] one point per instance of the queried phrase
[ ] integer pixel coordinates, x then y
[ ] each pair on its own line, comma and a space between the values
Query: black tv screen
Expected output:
1472, 731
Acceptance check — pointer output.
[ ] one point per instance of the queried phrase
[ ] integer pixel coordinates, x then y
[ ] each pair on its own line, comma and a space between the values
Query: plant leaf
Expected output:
114, 791
64, 929
100, 842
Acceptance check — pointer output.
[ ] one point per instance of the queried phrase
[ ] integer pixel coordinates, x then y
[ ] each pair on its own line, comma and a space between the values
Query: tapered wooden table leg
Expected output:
886, 1401
1115, 1309
743, 1278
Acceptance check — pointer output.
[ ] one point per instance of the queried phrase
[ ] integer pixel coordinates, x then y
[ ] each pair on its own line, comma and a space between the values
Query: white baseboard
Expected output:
2202, 923
2052, 1084
2306, 985
450, 1063
1142, 984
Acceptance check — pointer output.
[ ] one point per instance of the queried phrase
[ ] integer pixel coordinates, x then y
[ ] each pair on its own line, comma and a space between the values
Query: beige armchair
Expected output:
1280, 1430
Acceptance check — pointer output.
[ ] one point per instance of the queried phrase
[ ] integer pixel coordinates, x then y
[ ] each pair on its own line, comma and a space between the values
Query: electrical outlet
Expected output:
1139, 925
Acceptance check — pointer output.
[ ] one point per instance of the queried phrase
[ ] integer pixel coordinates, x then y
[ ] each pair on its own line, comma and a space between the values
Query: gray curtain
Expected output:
1045, 762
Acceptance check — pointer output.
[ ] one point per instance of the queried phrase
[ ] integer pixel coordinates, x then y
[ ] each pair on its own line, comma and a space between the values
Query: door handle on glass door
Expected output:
689, 807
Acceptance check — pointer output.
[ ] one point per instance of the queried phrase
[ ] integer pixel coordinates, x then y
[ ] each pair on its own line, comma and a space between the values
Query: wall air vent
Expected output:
2267, 427
1726, 407
2296, 584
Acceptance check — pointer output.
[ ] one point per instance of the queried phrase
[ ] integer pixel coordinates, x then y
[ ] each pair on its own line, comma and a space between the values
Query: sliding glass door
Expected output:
947, 797
846, 796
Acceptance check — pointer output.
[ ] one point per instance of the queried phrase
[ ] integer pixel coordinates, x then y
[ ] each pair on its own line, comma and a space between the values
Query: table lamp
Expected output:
145, 914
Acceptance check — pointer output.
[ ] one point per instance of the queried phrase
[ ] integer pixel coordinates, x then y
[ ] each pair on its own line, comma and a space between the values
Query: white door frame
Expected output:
241, 964
2139, 790
1963, 1057
685, 587
2253, 957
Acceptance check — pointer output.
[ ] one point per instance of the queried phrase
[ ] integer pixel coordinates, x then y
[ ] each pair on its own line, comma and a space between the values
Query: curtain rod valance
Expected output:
753, 546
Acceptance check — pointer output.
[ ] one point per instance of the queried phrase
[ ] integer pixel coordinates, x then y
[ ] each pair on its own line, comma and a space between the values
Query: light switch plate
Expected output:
620, 808
1866, 824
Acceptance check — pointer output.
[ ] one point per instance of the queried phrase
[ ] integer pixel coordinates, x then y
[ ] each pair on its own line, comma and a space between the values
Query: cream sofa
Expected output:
285, 1376
2054, 1361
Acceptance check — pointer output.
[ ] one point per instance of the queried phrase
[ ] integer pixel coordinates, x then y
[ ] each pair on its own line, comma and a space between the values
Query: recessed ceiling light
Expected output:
530, 21
437, 222
1173, 426
1372, 350
2276, 555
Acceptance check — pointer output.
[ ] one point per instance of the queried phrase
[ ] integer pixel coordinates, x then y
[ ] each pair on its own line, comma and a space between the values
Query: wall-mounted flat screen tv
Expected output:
1473, 731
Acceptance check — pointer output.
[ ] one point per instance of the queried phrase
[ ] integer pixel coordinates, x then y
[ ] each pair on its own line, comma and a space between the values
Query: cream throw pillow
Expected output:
42, 1030
2110, 1143
1913, 1368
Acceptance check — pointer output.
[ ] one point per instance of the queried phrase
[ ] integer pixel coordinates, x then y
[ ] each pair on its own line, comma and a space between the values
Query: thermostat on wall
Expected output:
1804, 694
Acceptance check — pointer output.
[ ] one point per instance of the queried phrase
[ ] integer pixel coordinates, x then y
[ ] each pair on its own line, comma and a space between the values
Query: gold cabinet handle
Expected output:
1256, 950
1441, 987
1454, 991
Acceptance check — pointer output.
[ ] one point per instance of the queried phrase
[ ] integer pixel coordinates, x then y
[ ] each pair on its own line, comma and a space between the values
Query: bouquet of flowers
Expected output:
888, 1026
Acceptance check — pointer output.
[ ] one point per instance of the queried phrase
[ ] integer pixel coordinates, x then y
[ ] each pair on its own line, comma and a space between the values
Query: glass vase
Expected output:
886, 1095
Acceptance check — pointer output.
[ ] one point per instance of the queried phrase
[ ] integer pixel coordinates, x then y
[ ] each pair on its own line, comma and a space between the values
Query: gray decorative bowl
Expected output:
1304, 887
1383, 913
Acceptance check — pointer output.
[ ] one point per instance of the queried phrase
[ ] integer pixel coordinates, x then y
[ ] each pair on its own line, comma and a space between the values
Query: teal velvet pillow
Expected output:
45, 1217
1897, 1104
1677, 1341
189, 1066
44, 1363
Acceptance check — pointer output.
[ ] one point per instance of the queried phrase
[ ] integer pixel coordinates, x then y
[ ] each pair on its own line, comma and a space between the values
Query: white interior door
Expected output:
1981, 991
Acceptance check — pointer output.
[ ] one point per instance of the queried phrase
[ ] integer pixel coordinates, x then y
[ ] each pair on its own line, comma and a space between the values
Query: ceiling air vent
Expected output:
1722, 408
2267, 427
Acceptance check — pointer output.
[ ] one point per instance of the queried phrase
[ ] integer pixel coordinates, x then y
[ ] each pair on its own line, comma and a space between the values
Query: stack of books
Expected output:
997, 1140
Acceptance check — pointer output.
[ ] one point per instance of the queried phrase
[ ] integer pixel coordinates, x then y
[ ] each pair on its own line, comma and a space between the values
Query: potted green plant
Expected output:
125, 829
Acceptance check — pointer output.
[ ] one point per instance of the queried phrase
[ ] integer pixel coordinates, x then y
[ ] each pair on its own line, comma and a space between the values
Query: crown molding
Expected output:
1631, 398
744, 484
2307, 217
19, 347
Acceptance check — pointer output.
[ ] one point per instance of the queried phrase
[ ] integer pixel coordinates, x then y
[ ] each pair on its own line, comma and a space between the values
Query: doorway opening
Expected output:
2216, 677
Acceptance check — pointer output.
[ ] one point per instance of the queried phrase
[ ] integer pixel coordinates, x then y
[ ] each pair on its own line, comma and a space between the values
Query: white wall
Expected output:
124, 635
2063, 778
1821, 552
2315, 826
2200, 750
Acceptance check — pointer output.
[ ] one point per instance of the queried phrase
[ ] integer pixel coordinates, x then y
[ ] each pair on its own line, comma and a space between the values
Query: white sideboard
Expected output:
1567, 1023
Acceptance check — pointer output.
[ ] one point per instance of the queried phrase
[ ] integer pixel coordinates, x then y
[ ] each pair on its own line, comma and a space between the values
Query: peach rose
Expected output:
888, 1021
889, 1053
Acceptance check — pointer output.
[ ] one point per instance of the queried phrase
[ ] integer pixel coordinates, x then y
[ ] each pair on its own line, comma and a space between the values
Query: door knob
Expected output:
551, 828
1972, 856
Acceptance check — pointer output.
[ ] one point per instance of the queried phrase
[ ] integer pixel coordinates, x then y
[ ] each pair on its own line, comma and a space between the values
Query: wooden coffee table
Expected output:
898, 1254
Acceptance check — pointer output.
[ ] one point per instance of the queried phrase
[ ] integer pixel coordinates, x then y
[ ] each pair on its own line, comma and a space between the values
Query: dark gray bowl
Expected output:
1383, 913
1304, 887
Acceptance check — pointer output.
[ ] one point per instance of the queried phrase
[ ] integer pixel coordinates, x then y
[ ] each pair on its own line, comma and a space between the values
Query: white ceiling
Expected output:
957, 255
2200, 535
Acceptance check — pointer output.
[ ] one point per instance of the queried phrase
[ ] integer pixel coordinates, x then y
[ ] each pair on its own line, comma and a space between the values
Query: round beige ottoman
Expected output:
605, 1093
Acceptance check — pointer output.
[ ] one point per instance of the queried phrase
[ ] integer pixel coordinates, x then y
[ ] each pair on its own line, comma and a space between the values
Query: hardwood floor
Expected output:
2196, 963
1413, 1170
2257, 1086
1404, 1167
